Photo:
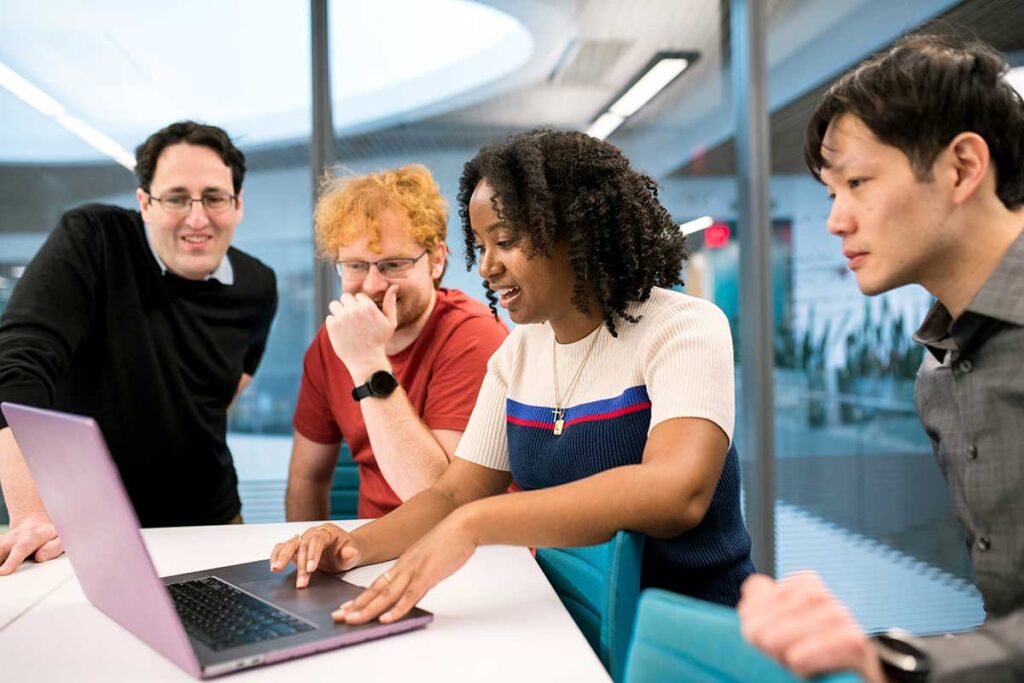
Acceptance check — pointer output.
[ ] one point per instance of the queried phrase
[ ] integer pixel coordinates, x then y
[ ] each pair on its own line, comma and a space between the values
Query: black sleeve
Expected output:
52, 308
255, 352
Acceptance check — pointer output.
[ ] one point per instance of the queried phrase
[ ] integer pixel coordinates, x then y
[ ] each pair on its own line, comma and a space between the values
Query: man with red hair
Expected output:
396, 368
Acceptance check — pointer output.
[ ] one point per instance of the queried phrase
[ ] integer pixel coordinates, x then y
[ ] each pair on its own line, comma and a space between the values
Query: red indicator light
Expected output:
716, 236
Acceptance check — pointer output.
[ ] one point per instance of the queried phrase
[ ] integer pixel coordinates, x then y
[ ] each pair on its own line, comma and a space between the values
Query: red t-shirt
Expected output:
441, 373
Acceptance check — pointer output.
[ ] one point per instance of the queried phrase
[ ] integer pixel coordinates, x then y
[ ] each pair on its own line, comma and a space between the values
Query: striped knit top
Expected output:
675, 362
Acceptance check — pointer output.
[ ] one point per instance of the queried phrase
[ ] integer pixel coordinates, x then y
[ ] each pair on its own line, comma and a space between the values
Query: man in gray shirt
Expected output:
921, 149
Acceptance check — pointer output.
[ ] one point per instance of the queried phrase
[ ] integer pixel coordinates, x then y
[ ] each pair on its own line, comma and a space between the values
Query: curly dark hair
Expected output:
564, 185
920, 94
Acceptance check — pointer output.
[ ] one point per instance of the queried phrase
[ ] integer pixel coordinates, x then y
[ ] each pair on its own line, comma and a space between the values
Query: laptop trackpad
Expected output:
324, 592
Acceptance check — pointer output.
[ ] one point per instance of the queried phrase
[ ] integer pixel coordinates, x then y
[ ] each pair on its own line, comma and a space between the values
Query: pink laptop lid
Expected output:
83, 494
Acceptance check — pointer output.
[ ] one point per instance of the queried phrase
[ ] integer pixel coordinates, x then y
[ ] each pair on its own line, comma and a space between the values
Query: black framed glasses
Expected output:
391, 268
182, 203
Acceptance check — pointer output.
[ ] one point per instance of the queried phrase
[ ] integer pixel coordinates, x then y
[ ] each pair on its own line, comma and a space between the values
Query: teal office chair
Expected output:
345, 486
681, 639
599, 585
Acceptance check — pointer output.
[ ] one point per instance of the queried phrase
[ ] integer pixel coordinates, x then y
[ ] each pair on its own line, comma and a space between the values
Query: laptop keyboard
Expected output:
221, 616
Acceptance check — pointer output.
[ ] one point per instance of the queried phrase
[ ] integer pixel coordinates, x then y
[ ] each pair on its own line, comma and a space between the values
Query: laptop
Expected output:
208, 622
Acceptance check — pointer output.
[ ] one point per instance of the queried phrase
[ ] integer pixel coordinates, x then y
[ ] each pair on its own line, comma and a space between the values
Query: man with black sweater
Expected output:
149, 322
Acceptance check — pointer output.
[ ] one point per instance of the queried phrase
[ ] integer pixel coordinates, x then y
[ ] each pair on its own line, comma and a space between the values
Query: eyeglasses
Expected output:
182, 203
392, 268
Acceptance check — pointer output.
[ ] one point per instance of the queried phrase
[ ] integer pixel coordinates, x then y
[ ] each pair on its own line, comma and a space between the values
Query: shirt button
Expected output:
984, 543
972, 452
965, 365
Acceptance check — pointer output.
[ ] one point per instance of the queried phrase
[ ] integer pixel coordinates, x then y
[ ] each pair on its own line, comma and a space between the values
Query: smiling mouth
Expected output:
196, 239
506, 295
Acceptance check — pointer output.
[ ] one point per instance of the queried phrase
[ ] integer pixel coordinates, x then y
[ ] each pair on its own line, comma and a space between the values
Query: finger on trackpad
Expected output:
322, 588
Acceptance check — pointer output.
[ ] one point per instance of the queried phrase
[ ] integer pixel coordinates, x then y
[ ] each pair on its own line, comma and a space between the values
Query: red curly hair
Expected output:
350, 207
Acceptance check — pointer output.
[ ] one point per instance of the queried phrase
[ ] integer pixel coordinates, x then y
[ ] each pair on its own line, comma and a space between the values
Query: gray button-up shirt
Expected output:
970, 396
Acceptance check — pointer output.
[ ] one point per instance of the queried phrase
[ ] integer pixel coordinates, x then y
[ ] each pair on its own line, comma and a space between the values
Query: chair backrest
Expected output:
600, 586
682, 639
345, 486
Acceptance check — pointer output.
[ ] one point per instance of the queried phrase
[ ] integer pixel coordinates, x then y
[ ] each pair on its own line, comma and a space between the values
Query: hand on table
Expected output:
359, 331
801, 625
33, 536
425, 564
327, 547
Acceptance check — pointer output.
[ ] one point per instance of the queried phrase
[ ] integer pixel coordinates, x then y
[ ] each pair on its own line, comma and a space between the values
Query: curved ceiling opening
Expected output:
126, 69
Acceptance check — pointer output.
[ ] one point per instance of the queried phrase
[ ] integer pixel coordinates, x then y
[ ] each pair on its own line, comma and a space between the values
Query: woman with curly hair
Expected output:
610, 404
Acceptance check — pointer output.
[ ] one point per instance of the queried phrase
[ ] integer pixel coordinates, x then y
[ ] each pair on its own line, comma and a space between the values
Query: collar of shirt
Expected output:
1000, 299
223, 274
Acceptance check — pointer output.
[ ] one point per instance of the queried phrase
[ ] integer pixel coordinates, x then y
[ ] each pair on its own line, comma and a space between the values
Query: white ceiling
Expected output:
128, 68
442, 67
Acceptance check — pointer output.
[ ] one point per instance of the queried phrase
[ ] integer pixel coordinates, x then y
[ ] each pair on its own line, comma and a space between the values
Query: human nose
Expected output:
488, 265
840, 220
197, 217
374, 281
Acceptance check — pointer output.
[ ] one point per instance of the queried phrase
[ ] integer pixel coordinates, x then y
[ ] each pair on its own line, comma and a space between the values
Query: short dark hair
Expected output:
556, 186
920, 94
191, 133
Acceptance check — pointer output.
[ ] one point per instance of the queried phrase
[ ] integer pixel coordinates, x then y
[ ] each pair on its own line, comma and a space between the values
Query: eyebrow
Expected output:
496, 225
205, 190
836, 168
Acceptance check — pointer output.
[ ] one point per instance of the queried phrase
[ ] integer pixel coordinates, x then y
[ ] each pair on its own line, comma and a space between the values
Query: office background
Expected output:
857, 495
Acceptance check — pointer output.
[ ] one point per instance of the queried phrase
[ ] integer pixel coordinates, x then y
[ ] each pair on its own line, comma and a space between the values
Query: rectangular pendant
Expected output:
558, 426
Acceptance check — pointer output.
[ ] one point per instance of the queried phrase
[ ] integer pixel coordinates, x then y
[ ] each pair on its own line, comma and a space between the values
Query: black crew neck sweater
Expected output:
95, 328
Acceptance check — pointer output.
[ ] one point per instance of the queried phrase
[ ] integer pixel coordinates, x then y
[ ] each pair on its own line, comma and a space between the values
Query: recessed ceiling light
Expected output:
21, 87
696, 225
664, 68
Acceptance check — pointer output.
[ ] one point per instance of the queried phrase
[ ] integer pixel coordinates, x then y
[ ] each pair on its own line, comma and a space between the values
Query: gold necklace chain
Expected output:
559, 412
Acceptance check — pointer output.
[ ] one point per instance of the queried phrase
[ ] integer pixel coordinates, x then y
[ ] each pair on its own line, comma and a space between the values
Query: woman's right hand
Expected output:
327, 547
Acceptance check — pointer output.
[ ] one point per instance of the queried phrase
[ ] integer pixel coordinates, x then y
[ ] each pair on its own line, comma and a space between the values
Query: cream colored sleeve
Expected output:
688, 365
485, 441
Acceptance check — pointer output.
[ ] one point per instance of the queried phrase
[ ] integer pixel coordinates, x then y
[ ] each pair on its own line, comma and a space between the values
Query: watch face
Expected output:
382, 383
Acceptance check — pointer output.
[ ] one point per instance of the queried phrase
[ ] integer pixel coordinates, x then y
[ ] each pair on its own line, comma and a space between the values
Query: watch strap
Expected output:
902, 655
380, 384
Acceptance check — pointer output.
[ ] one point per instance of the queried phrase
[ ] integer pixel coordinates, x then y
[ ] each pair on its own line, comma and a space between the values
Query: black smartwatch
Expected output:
903, 655
380, 385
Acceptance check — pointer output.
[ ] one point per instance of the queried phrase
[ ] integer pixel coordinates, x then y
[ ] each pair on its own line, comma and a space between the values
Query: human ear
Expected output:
438, 260
144, 203
971, 165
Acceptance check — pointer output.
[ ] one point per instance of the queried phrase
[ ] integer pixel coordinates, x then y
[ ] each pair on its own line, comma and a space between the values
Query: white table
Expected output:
496, 619
24, 589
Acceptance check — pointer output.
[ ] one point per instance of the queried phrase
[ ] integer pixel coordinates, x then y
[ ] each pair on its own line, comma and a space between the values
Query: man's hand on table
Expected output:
31, 536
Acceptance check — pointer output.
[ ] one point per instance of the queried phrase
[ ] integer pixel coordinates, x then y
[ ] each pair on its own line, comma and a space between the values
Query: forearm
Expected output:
408, 454
388, 537
307, 499
995, 652
586, 512
19, 490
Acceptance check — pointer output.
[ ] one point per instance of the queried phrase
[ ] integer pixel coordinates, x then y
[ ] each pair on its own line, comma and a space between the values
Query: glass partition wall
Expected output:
857, 495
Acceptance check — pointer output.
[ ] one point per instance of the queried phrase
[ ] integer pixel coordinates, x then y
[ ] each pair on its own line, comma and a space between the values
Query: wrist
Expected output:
873, 671
362, 369
31, 514
359, 542
467, 522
